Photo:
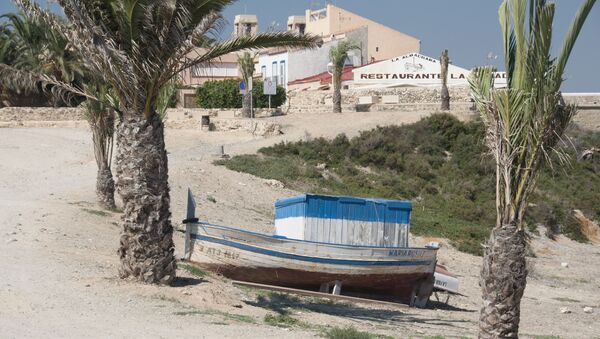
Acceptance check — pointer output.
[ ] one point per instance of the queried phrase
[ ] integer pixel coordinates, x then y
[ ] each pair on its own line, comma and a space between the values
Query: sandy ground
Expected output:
58, 251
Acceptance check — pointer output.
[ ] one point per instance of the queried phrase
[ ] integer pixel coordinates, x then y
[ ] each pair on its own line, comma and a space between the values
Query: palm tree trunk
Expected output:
444, 60
337, 91
102, 124
105, 188
445, 98
146, 249
503, 279
246, 104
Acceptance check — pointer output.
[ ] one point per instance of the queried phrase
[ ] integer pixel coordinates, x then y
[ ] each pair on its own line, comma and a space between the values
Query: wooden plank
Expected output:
317, 294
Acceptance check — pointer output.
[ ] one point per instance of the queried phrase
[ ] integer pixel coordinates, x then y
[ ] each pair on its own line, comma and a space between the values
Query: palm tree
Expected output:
37, 48
444, 60
246, 66
525, 123
338, 55
137, 46
101, 118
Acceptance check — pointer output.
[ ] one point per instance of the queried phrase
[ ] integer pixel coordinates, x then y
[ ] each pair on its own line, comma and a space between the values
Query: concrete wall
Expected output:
221, 68
383, 42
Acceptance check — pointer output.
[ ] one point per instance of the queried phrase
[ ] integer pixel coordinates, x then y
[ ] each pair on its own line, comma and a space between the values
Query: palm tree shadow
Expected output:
185, 281
440, 305
283, 304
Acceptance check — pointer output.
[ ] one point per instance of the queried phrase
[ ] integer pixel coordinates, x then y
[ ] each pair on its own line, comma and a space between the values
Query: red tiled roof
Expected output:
325, 77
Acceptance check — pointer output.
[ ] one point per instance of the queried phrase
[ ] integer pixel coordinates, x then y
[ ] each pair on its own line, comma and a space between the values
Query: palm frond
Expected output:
569, 42
18, 80
525, 122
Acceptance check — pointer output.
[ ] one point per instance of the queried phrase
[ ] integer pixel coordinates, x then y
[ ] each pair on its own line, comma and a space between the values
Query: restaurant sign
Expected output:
413, 69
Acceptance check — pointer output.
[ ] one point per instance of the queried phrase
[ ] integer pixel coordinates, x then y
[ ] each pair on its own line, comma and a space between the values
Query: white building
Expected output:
286, 66
413, 69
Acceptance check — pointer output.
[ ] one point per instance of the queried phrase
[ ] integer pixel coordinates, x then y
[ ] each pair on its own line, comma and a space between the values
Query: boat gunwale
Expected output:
308, 241
321, 260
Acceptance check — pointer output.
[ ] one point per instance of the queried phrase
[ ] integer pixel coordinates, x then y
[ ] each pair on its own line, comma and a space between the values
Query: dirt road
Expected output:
58, 252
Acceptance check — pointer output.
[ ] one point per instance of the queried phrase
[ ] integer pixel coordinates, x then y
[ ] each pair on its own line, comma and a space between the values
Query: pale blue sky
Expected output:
467, 28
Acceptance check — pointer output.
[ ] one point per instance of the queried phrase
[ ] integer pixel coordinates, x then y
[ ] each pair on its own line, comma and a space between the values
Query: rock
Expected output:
588, 310
565, 310
186, 292
274, 183
589, 228
11, 240
321, 166
564, 265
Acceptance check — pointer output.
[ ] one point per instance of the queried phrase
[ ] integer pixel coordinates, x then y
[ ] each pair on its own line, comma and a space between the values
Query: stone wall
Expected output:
584, 100
16, 114
410, 98
177, 114
221, 120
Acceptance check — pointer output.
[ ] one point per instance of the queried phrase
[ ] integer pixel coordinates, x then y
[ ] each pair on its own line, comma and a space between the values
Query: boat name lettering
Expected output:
406, 253
220, 253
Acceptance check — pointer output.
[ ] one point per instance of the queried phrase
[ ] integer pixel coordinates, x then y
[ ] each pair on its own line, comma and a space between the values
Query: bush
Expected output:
262, 101
219, 94
440, 163
226, 94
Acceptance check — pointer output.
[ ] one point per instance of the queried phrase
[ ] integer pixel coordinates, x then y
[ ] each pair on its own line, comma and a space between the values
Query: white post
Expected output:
191, 214
337, 288
269, 102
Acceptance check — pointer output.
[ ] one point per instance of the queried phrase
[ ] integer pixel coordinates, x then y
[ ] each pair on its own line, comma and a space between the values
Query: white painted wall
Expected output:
267, 61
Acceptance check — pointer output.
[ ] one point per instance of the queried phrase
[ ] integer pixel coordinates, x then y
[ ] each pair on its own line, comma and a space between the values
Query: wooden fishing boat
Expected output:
398, 273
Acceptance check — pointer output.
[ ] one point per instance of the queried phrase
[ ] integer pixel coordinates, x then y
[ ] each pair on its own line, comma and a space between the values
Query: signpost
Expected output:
269, 88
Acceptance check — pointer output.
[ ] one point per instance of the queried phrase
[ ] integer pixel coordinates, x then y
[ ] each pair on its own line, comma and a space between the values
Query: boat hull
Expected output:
389, 273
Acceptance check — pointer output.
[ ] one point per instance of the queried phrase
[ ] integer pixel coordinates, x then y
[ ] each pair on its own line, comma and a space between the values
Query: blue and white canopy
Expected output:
344, 220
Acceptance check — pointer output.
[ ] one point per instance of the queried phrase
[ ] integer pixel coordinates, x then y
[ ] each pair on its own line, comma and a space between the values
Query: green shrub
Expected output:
219, 94
262, 101
226, 94
283, 320
442, 165
350, 333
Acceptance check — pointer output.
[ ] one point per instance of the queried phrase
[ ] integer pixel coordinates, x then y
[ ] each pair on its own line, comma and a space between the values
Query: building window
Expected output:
376, 49
282, 73
274, 72
263, 70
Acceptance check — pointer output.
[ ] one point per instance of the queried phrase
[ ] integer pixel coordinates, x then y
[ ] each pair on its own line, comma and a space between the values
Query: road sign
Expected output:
242, 86
269, 87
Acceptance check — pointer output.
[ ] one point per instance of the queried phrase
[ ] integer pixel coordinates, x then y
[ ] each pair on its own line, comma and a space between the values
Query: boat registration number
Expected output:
217, 252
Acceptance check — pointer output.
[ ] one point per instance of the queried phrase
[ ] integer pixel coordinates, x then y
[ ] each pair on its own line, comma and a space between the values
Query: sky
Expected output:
469, 29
